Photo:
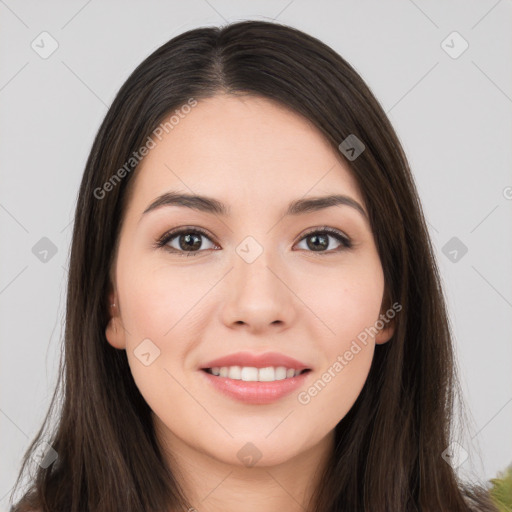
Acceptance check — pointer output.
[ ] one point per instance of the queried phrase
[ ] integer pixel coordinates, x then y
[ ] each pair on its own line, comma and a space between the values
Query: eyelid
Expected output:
336, 233
163, 240
179, 230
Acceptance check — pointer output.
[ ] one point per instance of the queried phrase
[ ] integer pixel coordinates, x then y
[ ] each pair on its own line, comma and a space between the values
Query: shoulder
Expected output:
478, 499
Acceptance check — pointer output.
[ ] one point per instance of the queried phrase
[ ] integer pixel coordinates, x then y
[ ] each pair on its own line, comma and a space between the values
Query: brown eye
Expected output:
190, 241
320, 241
187, 241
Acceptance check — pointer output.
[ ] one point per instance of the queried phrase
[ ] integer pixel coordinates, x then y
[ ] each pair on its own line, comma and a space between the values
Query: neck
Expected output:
212, 485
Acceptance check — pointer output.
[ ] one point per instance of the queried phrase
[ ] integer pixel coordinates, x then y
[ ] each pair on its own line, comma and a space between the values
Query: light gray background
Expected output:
453, 116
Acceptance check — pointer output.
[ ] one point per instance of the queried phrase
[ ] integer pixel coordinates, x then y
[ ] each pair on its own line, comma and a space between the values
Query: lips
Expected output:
256, 361
252, 391
256, 393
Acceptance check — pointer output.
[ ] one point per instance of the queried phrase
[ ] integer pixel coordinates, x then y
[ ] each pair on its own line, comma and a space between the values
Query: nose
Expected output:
257, 296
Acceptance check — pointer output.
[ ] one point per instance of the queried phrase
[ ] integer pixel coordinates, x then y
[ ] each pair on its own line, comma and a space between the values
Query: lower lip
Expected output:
256, 392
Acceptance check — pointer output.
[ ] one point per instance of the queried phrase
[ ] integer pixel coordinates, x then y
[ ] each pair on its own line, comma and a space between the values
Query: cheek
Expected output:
334, 391
345, 301
154, 307
163, 304
155, 299
348, 304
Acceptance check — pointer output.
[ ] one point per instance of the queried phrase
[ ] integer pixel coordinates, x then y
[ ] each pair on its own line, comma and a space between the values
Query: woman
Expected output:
254, 314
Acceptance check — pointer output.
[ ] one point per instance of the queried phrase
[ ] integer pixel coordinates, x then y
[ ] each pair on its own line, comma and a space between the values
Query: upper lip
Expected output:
256, 361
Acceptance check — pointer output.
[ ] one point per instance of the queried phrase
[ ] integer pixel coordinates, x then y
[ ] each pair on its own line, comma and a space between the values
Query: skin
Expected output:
256, 156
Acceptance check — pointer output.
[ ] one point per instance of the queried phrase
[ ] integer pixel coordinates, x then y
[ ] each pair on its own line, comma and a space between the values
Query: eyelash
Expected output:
169, 235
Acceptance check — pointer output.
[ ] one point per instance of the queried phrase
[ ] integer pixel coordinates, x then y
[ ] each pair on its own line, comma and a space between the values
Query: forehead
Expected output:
243, 150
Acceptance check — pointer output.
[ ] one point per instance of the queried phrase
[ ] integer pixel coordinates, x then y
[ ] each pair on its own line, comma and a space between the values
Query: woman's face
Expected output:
261, 279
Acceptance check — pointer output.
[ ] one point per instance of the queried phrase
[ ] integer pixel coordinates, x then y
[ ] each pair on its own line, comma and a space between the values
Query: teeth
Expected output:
252, 374
266, 374
235, 372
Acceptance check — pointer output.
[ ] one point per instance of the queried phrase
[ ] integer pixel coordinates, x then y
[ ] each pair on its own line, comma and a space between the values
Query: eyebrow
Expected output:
211, 205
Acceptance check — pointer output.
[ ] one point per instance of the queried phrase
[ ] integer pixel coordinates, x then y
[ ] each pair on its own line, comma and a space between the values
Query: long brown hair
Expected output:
388, 448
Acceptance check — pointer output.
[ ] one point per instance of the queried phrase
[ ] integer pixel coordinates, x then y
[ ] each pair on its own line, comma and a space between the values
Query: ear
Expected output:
114, 332
387, 323
385, 334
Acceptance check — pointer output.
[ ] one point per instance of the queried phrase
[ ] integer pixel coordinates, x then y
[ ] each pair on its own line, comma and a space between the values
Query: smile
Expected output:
252, 374
244, 386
